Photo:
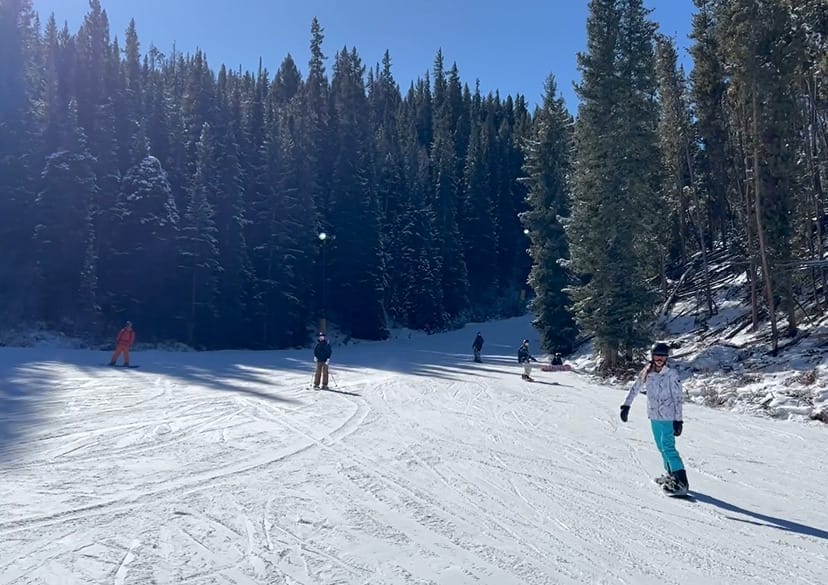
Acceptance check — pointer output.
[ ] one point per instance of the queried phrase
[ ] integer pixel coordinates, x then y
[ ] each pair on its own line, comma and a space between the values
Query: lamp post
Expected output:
523, 288
323, 238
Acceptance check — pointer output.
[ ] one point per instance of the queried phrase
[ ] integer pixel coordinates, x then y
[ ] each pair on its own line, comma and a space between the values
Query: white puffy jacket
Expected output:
664, 396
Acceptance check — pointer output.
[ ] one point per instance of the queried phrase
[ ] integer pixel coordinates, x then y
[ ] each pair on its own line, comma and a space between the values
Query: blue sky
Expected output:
508, 47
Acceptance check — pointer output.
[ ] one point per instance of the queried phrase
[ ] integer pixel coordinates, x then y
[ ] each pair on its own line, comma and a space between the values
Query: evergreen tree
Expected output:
317, 115
446, 198
357, 271
415, 265
144, 250
513, 261
198, 248
548, 167
64, 233
679, 150
615, 179
477, 219
287, 83
707, 90
236, 286
763, 63
93, 56
18, 40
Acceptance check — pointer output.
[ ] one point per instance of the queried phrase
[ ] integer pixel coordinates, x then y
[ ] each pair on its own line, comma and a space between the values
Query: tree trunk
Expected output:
815, 234
191, 324
760, 231
708, 293
751, 270
609, 355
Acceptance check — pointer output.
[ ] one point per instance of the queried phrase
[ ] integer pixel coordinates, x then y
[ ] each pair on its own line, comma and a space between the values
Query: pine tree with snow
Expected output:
19, 44
616, 179
64, 232
198, 246
445, 200
357, 257
548, 167
477, 215
143, 255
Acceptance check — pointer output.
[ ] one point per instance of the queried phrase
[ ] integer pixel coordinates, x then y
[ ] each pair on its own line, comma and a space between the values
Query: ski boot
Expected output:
663, 478
677, 485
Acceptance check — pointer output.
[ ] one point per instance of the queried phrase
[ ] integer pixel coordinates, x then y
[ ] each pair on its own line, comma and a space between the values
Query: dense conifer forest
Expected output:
192, 199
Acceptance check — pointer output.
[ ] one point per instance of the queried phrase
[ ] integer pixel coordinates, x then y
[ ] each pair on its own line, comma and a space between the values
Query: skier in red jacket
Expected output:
125, 339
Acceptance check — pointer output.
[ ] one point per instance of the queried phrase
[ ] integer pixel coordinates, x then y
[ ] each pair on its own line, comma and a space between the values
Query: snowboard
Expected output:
131, 367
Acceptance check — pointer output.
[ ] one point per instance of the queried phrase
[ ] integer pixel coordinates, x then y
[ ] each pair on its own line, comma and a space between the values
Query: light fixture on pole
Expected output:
323, 325
528, 251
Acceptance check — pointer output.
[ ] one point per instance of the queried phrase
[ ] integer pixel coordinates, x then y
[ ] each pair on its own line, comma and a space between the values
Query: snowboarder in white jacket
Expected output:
525, 358
664, 409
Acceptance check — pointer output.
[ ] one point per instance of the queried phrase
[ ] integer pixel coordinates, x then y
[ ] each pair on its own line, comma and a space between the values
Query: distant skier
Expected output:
322, 355
557, 360
525, 358
664, 409
477, 347
124, 341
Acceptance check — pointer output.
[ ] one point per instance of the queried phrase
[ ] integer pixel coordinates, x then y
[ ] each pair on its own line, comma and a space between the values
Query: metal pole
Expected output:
323, 325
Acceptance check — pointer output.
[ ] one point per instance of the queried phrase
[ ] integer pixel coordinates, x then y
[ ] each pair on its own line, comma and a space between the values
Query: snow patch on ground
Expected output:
725, 365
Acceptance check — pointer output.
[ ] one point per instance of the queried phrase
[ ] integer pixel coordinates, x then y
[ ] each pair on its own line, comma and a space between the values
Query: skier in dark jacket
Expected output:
557, 360
477, 347
524, 357
322, 355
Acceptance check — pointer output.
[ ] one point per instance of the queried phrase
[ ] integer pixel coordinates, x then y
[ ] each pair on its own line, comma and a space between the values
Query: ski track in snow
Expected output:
420, 470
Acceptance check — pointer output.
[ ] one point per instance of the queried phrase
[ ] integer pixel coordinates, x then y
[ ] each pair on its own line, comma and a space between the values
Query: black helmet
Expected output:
661, 349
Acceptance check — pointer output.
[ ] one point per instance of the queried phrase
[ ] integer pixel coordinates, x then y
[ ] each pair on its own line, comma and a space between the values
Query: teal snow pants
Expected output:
666, 443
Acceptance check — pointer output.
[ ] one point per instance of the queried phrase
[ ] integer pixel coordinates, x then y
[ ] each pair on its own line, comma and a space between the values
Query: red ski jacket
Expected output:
126, 337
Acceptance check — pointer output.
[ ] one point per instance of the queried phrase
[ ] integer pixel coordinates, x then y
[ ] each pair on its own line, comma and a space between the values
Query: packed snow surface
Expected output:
418, 466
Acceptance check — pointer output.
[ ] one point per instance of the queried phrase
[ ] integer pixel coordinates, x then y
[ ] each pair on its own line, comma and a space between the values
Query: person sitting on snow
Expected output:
557, 360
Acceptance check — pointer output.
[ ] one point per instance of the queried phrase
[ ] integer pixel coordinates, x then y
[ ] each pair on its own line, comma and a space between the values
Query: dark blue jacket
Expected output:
478, 342
322, 351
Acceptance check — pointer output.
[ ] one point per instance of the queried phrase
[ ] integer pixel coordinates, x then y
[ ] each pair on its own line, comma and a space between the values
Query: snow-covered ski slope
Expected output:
421, 467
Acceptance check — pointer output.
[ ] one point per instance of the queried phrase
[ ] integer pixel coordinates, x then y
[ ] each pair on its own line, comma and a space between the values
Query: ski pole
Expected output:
333, 379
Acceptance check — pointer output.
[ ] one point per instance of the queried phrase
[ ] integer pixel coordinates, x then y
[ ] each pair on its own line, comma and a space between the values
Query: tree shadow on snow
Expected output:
544, 382
22, 401
336, 390
764, 519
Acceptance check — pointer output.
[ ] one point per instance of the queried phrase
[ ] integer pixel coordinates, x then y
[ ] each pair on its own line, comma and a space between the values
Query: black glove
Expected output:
625, 412
678, 426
